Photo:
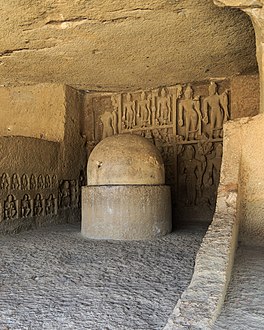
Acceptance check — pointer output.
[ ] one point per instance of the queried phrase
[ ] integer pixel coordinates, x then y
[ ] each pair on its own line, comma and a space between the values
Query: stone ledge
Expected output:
201, 302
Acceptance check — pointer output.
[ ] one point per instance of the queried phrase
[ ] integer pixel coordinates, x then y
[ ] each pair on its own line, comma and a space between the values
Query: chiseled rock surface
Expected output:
201, 302
54, 279
117, 44
244, 304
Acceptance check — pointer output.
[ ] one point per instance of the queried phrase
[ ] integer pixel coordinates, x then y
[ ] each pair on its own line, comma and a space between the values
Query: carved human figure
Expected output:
47, 181
25, 206
74, 192
50, 205
199, 155
38, 205
33, 184
129, 112
41, 183
15, 182
106, 119
65, 194
214, 160
216, 110
154, 119
115, 103
5, 181
189, 114
54, 181
10, 208
191, 168
164, 108
24, 182
144, 110
80, 183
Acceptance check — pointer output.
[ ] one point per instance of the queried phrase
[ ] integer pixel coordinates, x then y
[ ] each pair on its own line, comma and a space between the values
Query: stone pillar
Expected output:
254, 8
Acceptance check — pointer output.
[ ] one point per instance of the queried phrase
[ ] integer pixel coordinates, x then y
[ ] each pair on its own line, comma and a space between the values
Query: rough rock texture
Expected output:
201, 302
244, 96
54, 279
252, 181
243, 308
36, 111
255, 9
246, 155
114, 45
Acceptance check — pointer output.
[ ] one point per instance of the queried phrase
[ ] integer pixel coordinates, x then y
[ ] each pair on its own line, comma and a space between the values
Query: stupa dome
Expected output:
125, 159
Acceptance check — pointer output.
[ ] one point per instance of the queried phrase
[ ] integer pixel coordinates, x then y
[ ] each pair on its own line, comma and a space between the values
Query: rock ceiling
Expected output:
118, 45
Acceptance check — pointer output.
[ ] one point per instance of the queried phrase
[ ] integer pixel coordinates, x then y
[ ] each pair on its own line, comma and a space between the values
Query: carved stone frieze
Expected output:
35, 195
185, 122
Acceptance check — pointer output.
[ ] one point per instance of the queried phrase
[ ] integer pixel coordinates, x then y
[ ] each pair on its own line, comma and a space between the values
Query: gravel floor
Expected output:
52, 278
244, 304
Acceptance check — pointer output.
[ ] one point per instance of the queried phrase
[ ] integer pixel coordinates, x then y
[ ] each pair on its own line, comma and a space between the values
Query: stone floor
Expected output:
52, 278
244, 304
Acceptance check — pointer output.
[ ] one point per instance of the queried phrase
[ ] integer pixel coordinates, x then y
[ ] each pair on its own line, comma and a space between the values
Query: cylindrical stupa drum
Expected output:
126, 197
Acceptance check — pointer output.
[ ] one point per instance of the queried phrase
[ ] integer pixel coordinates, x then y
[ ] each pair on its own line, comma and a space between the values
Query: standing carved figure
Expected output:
65, 194
217, 107
10, 208
50, 205
33, 184
114, 99
24, 182
144, 109
15, 182
5, 181
47, 181
129, 112
201, 169
191, 168
214, 160
38, 205
106, 119
41, 183
164, 108
189, 114
25, 206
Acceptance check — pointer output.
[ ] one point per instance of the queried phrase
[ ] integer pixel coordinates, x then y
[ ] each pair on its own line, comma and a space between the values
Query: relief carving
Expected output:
114, 121
41, 183
15, 182
47, 181
33, 184
44, 203
144, 111
50, 205
185, 124
129, 118
65, 194
190, 115
106, 120
5, 181
24, 182
38, 205
192, 169
215, 110
54, 181
10, 208
164, 108
26, 206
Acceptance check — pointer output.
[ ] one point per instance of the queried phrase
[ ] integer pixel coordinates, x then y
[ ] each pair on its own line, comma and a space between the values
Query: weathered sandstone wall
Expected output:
35, 111
42, 156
